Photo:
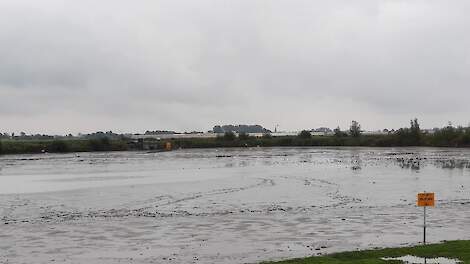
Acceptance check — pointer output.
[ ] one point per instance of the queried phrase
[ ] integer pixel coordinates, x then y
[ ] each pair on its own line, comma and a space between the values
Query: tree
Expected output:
414, 126
304, 134
355, 129
267, 136
338, 132
415, 131
411, 136
229, 136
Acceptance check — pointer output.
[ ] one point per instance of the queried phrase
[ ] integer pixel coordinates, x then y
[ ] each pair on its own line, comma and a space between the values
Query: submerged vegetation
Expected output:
451, 250
448, 136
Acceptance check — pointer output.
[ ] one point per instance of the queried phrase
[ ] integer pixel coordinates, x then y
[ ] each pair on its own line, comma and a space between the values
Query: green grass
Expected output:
60, 146
455, 139
452, 249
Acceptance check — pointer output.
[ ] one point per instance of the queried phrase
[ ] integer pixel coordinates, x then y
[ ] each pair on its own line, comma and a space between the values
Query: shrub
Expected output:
267, 136
57, 146
305, 134
339, 133
243, 136
229, 136
101, 144
355, 129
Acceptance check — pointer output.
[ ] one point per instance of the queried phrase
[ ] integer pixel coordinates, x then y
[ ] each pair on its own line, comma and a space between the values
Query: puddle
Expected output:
418, 260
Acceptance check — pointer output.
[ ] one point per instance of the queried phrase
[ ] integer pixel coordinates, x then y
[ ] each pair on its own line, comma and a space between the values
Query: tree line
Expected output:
448, 136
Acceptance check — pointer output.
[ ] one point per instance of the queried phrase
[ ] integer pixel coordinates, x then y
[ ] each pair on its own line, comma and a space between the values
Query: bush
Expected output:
305, 134
229, 136
355, 129
243, 136
267, 136
339, 133
101, 144
285, 141
57, 146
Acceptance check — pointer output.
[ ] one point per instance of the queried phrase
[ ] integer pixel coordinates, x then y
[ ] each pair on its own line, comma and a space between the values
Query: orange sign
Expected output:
168, 146
426, 199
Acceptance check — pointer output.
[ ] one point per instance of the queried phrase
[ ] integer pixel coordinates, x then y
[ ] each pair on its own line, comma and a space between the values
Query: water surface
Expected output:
226, 205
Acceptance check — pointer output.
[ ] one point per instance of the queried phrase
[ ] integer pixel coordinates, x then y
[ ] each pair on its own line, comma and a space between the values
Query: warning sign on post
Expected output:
426, 199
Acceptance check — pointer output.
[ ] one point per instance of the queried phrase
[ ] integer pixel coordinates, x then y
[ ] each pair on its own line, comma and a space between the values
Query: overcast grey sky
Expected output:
130, 66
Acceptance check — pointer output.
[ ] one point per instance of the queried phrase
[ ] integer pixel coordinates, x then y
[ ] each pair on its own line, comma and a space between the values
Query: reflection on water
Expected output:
356, 160
226, 205
418, 260
413, 163
453, 164
24, 173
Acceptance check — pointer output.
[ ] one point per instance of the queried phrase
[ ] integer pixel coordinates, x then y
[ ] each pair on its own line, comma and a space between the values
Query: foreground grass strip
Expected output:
452, 249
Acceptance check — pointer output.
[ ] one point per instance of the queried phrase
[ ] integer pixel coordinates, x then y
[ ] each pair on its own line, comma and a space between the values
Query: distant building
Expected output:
377, 132
240, 129
322, 131
159, 132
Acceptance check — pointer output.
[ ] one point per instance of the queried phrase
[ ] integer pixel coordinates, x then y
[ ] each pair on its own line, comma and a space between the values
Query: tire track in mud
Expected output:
8, 207
126, 210
334, 193
264, 182
148, 211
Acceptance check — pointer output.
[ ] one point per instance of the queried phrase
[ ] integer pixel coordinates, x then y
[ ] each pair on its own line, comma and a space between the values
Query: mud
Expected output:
226, 205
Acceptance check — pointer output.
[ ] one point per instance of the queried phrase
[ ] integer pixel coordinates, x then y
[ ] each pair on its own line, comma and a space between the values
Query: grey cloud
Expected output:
133, 66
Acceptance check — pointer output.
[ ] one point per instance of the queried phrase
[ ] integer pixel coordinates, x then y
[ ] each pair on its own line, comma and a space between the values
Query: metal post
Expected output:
424, 227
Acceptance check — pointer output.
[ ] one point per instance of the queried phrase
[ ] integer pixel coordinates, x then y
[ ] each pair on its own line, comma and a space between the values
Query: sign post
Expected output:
425, 200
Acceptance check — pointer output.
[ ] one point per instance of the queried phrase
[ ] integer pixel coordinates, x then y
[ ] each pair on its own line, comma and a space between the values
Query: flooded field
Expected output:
226, 205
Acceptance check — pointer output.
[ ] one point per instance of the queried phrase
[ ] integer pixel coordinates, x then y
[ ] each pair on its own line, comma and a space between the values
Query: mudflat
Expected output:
226, 205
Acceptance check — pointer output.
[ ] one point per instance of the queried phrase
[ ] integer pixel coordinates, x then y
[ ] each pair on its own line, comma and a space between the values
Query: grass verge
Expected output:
452, 249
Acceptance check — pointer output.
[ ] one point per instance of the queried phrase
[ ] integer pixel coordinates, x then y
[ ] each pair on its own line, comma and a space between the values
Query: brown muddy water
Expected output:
226, 205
